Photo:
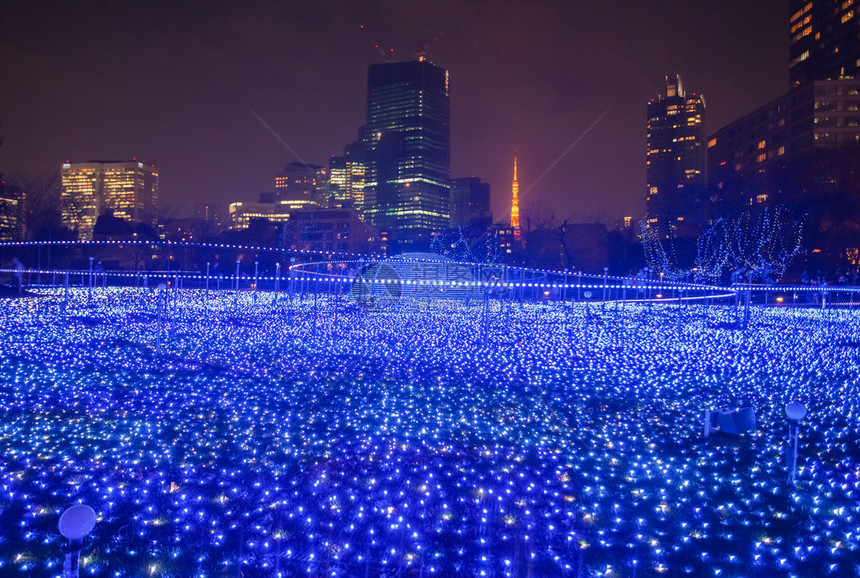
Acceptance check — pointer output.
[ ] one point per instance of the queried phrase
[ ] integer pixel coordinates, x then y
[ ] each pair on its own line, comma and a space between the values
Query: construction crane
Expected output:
386, 52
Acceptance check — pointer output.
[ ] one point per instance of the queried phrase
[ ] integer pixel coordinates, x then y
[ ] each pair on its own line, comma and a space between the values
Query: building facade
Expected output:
129, 189
470, 203
334, 229
10, 213
407, 142
347, 176
749, 159
302, 183
675, 160
825, 40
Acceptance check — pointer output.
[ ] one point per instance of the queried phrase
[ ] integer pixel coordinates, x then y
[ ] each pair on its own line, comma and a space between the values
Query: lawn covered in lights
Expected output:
316, 438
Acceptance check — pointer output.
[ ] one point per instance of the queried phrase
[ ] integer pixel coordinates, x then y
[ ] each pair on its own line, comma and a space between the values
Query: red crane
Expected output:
386, 52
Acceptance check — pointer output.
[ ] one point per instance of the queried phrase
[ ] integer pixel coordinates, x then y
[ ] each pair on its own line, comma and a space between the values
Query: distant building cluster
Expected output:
391, 186
800, 151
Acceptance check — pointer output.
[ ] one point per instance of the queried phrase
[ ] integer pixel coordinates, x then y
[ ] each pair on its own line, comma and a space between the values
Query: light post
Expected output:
795, 411
161, 297
238, 261
91, 273
75, 523
605, 272
256, 270
292, 281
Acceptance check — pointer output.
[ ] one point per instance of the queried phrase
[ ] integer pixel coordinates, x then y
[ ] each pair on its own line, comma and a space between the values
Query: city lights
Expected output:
303, 435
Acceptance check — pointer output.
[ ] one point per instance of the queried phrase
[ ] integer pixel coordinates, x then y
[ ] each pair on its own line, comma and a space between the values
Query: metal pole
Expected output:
70, 566
605, 271
792, 463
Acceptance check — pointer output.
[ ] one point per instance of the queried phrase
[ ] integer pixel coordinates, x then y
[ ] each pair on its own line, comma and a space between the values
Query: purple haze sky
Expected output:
173, 83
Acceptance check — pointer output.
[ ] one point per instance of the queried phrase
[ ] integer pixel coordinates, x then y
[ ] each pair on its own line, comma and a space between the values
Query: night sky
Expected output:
173, 83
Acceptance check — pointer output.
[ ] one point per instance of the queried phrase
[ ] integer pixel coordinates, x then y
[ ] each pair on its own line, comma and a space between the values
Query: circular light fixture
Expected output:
795, 410
77, 521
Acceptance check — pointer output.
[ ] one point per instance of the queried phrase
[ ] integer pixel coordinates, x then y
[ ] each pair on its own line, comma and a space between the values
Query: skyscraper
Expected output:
675, 161
127, 188
10, 212
825, 40
470, 203
407, 143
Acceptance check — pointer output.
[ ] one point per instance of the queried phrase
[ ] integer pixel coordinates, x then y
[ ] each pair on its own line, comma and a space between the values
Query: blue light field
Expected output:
278, 437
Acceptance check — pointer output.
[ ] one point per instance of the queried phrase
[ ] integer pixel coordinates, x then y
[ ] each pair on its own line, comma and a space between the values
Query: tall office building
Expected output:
10, 213
675, 162
825, 40
127, 188
407, 143
470, 203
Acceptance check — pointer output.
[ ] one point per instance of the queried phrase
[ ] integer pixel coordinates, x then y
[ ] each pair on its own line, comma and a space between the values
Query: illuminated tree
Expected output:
759, 245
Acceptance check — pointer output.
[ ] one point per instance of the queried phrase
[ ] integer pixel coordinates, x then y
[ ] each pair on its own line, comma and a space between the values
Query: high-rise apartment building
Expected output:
127, 188
407, 143
470, 203
749, 160
675, 161
825, 40
800, 152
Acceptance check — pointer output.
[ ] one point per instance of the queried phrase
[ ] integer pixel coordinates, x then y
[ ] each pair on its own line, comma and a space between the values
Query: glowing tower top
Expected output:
515, 203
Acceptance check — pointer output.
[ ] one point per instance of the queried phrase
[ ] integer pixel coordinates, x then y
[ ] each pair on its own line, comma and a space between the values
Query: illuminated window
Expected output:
780, 151
761, 144
800, 58
712, 142
761, 158
761, 199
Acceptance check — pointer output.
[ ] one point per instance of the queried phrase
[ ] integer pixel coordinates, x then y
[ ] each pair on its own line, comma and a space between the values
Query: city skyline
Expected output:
176, 88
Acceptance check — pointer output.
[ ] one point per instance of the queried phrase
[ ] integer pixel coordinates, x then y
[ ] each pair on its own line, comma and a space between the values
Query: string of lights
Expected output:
289, 435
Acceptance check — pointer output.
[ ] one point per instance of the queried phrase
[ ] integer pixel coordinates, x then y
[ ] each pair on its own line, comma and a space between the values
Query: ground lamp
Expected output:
75, 523
795, 411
